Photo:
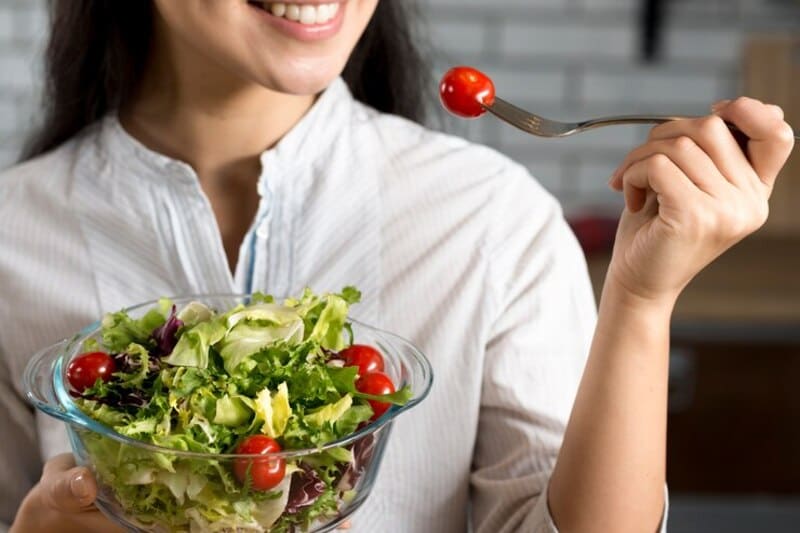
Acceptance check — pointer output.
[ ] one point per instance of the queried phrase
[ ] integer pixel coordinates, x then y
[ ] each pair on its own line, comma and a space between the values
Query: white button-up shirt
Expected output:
453, 246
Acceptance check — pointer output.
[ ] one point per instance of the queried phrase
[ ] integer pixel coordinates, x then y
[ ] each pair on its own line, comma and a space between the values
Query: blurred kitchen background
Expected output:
734, 436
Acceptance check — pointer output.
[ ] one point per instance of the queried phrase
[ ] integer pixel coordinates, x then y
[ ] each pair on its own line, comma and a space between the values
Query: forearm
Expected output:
610, 472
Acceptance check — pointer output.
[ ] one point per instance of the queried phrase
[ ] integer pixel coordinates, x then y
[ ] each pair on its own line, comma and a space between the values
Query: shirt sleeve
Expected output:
20, 461
533, 363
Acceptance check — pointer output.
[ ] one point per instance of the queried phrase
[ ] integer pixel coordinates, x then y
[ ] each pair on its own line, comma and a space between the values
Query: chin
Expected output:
301, 78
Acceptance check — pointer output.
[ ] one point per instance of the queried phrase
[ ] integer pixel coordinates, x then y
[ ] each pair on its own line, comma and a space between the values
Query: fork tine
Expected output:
513, 115
527, 122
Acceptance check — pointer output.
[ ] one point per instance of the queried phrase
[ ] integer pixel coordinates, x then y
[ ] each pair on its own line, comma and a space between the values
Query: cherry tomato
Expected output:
366, 358
84, 370
264, 473
463, 90
376, 383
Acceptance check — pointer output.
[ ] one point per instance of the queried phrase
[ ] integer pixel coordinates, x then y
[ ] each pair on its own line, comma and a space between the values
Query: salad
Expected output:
254, 379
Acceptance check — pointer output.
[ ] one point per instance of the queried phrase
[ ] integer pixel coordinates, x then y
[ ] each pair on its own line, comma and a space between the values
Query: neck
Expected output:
196, 111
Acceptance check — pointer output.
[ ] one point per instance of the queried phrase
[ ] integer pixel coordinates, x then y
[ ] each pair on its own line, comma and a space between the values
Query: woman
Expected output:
211, 146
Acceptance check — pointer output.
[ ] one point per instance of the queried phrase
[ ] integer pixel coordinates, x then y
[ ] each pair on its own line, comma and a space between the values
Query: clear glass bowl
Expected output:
124, 498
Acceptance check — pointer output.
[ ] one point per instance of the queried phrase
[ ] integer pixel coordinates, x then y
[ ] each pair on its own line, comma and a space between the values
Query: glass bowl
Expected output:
145, 487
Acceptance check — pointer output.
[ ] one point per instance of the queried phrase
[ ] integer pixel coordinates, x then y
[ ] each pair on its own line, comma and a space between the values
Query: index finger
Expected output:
771, 139
57, 464
66, 487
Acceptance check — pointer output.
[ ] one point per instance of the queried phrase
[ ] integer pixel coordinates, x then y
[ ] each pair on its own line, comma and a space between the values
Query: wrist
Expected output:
619, 296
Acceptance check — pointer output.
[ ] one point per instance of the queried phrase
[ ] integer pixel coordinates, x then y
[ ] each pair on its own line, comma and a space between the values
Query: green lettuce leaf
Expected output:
273, 410
120, 330
232, 411
330, 413
141, 355
248, 336
328, 329
193, 313
193, 345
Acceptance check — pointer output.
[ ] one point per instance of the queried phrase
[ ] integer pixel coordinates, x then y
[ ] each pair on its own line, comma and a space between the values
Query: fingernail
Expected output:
79, 486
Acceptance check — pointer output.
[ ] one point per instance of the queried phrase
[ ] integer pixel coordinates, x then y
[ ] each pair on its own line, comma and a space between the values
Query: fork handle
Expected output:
655, 119
741, 138
631, 119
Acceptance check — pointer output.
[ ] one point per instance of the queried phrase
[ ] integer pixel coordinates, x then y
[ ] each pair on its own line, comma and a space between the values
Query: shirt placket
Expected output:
266, 258
253, 252
208, 263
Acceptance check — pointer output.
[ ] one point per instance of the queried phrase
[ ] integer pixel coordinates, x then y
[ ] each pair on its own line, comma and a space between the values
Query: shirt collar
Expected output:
309, 138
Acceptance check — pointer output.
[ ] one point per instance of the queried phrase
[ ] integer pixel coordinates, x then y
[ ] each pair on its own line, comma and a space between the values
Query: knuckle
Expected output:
657, 163
744, 102
711, 126
683, 143
777, 111
733, 224
742, 218
785, 134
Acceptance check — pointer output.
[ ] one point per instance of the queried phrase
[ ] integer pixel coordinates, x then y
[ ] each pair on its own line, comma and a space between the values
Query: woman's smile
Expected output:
302, 20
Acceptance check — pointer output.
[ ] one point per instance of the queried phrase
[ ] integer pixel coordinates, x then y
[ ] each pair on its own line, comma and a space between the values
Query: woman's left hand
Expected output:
691, 193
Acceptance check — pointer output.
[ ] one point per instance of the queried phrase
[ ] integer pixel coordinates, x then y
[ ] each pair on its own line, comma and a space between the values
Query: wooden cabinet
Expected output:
734, 423
737, 427
771, 72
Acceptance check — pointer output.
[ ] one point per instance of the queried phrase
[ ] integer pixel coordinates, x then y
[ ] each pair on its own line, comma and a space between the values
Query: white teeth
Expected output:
278, 10
293, 12
304, 13
308, 14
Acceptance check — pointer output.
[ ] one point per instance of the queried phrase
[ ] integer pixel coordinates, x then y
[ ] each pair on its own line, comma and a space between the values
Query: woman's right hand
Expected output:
62, 501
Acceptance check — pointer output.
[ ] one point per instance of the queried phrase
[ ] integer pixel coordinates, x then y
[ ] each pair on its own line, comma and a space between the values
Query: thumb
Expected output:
66, 487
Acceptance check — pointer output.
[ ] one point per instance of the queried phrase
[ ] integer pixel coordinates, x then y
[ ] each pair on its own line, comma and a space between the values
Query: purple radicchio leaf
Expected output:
130, 364
306, 487
164, 335
133, 398
126, 400
362, 451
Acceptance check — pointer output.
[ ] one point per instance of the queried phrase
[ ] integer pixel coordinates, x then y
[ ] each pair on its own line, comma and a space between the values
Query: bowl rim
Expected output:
74, 416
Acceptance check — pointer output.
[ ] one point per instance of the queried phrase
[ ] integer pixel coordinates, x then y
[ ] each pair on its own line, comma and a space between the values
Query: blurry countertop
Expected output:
751, 293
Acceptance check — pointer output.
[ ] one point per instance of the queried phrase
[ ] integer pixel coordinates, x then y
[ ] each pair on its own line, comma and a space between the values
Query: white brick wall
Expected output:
567, 59
23, 26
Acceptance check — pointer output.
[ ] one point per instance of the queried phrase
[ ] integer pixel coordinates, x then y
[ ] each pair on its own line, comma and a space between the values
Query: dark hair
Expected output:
98, 50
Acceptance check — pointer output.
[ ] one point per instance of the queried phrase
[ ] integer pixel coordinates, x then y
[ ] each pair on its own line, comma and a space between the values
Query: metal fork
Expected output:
542, 127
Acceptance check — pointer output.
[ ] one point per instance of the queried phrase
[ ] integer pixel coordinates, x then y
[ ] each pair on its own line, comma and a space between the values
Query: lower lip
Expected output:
304, 32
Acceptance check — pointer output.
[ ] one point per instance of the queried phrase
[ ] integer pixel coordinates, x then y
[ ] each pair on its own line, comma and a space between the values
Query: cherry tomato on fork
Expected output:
463, 90
376, 383
87, 368
264, 474
366, 358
